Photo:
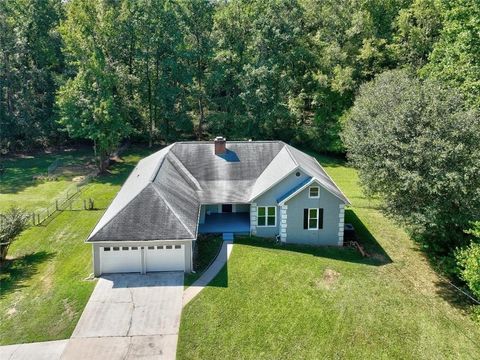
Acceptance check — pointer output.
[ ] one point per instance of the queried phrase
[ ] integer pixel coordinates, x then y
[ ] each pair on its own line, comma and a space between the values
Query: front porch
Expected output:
226, 223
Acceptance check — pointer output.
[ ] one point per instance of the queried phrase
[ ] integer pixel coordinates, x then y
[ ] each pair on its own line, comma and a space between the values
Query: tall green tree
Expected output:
89, 102
417, 145
197, 21
161, 65
418, 28
455, 58
30, 62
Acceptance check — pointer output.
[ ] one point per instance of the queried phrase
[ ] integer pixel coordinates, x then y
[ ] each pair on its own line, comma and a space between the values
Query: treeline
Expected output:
163, 70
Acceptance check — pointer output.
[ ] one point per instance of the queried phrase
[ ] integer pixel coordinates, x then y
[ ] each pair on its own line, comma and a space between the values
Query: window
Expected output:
267, 216
160, 247
178, 246
116, 248
124, 247
168, 247
151, 248
313, 219
106, 249
134, 248
314, 192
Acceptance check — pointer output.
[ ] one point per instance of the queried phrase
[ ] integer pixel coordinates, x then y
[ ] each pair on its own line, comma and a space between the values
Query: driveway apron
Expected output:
130, 316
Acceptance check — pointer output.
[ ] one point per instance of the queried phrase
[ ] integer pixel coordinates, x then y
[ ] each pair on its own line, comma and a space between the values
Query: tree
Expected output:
30, 62
455, 58
417, 30
197, 19
416, 144
161, 67
12, 222
90, 103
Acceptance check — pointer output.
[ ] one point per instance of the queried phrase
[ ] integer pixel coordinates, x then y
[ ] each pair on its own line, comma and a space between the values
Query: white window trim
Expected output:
318, 217
318, 192
266, 216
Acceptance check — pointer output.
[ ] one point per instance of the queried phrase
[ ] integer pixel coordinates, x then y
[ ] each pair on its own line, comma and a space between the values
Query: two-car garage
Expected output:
142, 259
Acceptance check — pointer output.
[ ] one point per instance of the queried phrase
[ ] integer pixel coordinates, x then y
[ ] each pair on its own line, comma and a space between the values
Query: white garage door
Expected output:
165, 258
121, 259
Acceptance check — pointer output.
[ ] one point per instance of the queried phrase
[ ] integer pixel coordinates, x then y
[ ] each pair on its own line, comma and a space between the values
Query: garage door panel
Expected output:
121, 259
165, 258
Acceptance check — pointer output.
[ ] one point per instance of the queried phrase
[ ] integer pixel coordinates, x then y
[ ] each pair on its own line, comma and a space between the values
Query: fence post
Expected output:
56, 204
84, 204
38, 218
33, 218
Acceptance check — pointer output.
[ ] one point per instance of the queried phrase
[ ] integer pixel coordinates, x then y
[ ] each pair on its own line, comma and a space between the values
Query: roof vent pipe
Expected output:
220, 145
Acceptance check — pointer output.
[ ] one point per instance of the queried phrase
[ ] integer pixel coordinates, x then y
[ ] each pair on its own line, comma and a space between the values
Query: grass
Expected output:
295, 302
208, 247
44, 285
18, 186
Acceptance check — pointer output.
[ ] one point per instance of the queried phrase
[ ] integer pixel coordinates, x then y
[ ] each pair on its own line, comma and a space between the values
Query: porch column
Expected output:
253, 218
341, 224
283, 223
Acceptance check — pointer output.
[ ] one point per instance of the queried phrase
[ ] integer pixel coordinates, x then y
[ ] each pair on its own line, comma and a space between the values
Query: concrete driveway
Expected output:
130, 316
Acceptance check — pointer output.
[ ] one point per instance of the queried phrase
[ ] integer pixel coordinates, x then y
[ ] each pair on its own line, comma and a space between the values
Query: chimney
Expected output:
220, 145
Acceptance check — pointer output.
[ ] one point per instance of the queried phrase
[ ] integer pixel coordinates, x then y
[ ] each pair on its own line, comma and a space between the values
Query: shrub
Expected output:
14, 222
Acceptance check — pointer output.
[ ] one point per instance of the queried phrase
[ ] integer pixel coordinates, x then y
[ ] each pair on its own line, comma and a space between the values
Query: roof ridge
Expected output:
157, 168
287, 147
228, 141
171, 209
177, 164
333, 182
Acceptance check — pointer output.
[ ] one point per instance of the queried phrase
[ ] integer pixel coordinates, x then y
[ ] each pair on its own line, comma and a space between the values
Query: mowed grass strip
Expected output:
308, 303
44, 285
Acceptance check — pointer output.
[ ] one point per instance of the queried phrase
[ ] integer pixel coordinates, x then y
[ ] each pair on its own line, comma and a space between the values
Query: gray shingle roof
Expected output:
162, 196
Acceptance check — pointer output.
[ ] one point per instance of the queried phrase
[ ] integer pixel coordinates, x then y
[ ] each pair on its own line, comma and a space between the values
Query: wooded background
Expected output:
163, 70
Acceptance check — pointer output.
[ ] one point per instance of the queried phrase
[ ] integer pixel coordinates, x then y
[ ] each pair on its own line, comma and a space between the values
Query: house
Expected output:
263, 188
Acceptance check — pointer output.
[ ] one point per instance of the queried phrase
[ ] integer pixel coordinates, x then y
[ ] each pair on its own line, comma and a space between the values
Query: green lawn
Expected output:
308, 303
18, 186
43, 285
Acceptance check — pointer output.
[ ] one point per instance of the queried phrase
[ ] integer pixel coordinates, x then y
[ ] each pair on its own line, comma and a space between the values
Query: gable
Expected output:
283, 187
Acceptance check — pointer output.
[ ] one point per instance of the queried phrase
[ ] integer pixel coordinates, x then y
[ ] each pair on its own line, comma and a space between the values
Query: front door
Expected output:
226, 208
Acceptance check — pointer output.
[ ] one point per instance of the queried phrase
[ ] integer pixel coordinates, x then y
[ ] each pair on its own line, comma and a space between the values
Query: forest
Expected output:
392, 84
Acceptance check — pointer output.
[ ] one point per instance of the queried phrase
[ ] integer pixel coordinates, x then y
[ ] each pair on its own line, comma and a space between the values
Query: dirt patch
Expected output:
12, 311
75, 170
328, 280
69, 311
79, 178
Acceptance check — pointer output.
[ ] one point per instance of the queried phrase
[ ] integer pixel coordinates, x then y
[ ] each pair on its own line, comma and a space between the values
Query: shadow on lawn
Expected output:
378, 256
15, 271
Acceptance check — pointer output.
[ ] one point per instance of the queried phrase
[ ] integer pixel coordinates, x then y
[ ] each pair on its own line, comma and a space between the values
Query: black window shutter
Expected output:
305, 218
320, 218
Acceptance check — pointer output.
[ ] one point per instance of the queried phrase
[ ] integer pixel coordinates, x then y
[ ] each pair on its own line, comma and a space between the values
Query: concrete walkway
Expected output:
209, 274
48, 350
